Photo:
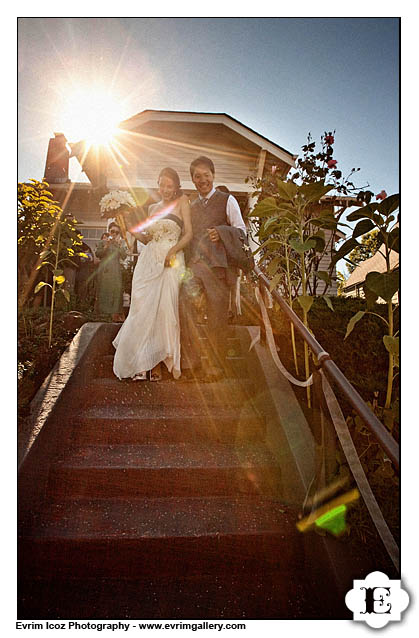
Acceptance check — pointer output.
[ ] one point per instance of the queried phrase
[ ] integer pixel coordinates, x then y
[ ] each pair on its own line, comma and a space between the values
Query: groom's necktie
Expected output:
204, 201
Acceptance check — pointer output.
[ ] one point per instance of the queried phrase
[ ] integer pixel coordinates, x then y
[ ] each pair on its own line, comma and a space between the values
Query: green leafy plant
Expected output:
38, 218
290, 231
297, 225
319, 165
46, 239
381, 217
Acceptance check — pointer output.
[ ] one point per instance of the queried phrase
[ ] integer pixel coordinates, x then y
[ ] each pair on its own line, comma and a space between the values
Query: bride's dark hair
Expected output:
171, 174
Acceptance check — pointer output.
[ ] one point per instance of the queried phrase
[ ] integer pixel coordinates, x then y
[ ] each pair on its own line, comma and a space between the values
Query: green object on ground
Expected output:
333, 521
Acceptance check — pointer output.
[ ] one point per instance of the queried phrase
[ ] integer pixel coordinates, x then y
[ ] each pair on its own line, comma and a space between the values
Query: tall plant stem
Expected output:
390, 358
305, 321
390, 372
51, 314
294, 349
307, 361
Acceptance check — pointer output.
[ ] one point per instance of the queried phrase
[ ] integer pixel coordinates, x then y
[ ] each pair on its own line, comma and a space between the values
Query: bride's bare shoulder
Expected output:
152, 207
184, 203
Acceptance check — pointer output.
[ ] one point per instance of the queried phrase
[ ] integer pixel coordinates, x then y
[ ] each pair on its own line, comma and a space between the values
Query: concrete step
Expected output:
263, 596
177, 536
142, 425
227, 393
237, 366
232, 335
161, 470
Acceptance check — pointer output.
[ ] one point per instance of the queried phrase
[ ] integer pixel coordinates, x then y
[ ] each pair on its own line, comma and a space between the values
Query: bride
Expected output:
151, 334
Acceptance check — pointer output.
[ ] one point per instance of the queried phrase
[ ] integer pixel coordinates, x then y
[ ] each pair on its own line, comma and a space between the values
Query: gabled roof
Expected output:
211, 118
376, 263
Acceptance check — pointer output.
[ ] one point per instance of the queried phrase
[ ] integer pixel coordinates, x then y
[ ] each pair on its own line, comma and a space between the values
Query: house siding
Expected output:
158, 144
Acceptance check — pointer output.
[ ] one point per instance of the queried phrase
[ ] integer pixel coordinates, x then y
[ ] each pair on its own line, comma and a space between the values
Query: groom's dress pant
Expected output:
211, 281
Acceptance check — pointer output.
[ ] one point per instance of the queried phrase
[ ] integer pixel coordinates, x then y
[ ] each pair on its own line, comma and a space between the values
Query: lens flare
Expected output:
91, 113
142, 226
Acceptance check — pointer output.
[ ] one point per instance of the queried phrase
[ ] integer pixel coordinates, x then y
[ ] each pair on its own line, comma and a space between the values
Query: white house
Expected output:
152, 140
354, 284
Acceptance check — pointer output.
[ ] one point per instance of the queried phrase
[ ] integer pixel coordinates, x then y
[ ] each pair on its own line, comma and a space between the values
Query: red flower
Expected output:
332, 163
381, 195
329, 139
273, 169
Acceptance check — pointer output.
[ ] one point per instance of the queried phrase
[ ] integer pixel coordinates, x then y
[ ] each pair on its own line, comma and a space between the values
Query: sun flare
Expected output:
91, 114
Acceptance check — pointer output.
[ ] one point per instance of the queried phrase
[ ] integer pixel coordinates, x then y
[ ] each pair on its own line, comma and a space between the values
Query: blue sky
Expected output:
282, 77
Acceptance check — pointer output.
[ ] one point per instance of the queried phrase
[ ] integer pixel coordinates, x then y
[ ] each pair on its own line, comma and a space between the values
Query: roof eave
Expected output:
222, 118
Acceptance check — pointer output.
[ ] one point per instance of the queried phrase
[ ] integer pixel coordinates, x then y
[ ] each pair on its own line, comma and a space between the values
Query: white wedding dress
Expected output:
151, 332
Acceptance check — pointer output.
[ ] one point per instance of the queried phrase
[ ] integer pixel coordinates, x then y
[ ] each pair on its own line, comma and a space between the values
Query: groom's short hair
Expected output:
202, 160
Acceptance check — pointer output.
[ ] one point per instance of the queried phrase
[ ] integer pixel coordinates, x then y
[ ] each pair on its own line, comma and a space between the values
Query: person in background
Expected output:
110, 250
84, 287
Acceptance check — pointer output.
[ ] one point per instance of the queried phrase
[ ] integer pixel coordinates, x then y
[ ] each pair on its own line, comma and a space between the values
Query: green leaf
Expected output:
394, 239
367, 212
41, 285
319, 241
385, 284
391, 344
44, 263
353, 321
326, 212
57, 272
370, 296
265, 208
275, 281
286, 190
65, 293
345, 249
269, 222
362, 227
268, 242
314, 191
327, 222
302, 247
305, 301
389, 204
329, 302
323, 275
357, 214
273, 266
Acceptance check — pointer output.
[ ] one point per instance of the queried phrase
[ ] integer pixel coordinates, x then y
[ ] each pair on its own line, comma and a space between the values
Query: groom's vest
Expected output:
204, 217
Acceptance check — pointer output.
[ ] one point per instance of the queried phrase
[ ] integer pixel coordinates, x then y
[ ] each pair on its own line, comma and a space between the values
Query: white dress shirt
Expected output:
233, 211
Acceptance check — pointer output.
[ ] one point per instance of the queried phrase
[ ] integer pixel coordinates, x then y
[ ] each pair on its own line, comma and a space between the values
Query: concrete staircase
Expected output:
162, 500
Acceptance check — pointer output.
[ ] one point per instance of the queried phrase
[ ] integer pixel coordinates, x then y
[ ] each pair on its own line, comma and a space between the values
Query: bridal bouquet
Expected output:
114, 200
114, 204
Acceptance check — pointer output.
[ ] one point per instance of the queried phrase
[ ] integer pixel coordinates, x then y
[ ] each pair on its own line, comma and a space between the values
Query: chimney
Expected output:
56, 166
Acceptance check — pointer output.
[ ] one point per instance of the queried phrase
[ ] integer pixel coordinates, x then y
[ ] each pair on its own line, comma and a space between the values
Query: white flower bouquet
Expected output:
114, 200
115, 204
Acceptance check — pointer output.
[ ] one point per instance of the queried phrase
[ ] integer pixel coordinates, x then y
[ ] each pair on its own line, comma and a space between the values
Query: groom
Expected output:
217, 226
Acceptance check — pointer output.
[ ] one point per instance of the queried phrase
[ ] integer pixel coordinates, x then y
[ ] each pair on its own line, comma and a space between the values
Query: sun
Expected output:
91, 114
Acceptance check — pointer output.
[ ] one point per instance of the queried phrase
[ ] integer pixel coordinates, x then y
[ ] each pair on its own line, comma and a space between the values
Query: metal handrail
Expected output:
382, 435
